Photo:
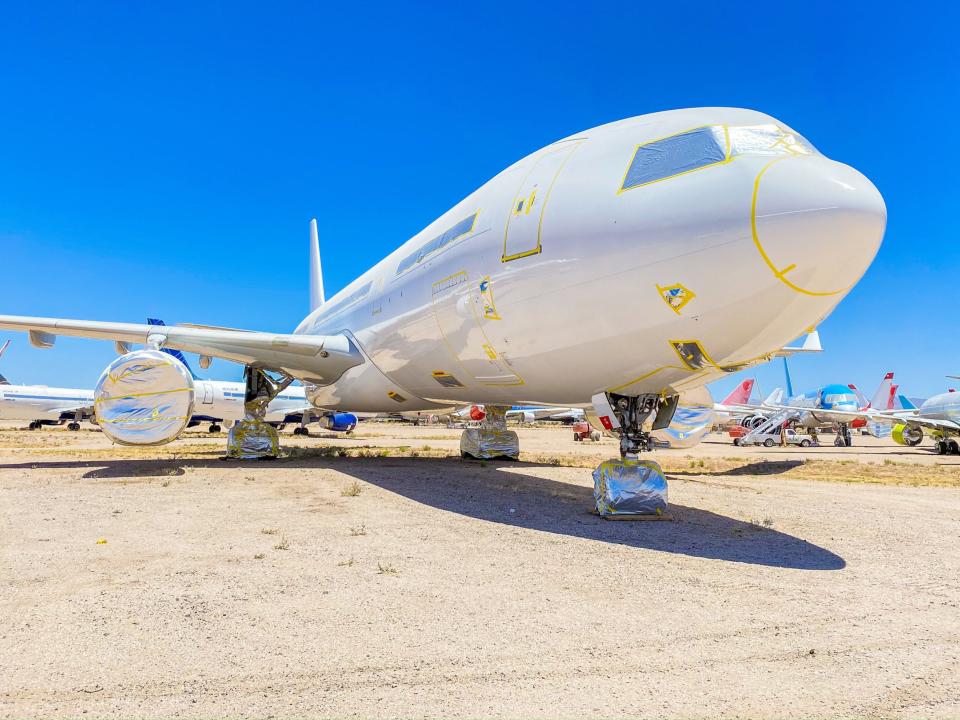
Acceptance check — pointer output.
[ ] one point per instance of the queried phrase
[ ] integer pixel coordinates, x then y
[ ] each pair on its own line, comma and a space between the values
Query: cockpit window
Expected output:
457, 231
766, 140
674, 155
837, 398
707, 146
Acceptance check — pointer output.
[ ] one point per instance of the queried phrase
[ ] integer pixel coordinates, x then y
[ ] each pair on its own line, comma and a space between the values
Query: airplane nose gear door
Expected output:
525, 222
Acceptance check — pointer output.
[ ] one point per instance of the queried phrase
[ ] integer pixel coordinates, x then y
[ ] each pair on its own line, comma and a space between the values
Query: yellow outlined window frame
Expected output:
727, 157
436, 251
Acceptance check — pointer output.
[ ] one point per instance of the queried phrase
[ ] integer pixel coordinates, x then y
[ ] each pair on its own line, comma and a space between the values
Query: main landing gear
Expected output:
301, 430
35, 425
252, 438
947, 447
628, 485
74, 426
214, 428
843, 438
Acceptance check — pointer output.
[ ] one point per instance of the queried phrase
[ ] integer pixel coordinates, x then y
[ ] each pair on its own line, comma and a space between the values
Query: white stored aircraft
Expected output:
706, 239
42, 405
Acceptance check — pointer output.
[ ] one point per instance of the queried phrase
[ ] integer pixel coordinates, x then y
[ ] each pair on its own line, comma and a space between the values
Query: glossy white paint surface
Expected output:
769, 242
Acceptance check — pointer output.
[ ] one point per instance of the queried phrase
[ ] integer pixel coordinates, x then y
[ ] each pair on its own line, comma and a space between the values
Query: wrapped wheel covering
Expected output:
629, 487
144, 398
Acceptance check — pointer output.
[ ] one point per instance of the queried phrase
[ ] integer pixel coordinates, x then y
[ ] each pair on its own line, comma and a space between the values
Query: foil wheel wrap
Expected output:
629, 487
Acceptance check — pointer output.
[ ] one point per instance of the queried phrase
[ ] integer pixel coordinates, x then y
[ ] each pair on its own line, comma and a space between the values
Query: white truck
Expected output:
771, 439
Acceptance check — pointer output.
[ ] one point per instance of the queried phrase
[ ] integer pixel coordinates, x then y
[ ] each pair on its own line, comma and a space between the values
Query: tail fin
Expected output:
885, 395
905, 403
175, 353
786, 372
3, 349
316, 272
861, 398
774, 398
740, 394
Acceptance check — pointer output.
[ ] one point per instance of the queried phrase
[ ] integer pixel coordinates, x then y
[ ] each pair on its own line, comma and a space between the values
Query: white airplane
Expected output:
42, 405
216, 401
706, 239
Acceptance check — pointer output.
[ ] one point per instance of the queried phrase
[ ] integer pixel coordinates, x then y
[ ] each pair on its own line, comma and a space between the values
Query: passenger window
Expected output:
674, 155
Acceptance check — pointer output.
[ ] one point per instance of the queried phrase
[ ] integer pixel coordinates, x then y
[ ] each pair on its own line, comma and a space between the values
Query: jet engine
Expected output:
753, 421
907, 435
691, 422
339, 421
144, 398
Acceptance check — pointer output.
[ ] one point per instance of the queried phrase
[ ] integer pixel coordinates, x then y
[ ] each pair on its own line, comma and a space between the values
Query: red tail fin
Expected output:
740, 394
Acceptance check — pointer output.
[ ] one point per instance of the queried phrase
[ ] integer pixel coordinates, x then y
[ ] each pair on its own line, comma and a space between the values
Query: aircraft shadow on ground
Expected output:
490, 491
760, 467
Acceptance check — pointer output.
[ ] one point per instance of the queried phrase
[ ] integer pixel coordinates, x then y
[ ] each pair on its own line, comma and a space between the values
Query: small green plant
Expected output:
426, 448
768, 522
284, 544
386, 569
165, 483
357, 531
351, 490
259, 556
346, 563
269, 531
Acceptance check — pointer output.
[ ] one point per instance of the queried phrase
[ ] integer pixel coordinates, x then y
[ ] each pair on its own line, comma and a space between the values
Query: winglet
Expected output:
316, 273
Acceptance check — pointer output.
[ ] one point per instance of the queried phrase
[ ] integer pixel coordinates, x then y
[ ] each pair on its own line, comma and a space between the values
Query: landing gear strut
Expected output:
633, 411
843, 438
252, 438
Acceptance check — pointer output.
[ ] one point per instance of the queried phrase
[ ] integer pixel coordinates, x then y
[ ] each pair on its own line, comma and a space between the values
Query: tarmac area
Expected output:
379, 575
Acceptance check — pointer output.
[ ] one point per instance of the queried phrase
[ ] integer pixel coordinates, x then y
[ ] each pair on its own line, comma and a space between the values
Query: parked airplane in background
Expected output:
707, 239
42, 405
524, 413
839, 407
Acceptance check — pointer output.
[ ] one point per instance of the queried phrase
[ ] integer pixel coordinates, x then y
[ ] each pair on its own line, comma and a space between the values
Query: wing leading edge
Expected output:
319, 359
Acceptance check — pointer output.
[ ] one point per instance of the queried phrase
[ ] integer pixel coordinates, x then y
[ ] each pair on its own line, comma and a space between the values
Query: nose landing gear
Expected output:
628, 485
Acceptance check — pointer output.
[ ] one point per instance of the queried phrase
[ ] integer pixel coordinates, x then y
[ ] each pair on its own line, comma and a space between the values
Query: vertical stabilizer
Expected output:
3, 380
786, 372
316, 273
886, 394
740, 394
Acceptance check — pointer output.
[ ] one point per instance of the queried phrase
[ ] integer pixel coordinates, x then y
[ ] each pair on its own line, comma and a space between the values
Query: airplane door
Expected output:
522, 236
464, 308
207, 393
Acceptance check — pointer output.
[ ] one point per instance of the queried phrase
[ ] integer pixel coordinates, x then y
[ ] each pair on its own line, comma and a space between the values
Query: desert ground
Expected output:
380, 575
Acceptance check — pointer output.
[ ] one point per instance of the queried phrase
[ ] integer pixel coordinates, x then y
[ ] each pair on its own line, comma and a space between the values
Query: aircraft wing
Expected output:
919, 421
320, 359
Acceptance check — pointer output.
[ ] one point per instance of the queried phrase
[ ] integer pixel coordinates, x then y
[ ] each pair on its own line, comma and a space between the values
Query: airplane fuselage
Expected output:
594, 265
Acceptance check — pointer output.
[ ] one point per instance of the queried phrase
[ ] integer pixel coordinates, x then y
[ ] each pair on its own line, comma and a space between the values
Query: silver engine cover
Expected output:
144, 398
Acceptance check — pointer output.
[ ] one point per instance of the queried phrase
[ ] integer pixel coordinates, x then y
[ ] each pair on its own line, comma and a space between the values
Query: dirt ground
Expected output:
382, 576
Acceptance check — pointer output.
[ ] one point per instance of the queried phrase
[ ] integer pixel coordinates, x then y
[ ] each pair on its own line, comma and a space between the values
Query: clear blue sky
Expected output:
153, 153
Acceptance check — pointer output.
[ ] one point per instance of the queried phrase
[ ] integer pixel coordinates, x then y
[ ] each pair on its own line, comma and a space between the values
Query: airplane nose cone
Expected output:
817, 223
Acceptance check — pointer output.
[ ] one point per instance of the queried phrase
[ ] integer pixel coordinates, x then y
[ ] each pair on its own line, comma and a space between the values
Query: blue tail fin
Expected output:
786, 371
176, 353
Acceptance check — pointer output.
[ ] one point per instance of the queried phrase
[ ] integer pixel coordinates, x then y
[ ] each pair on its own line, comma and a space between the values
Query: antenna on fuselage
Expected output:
316, 273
